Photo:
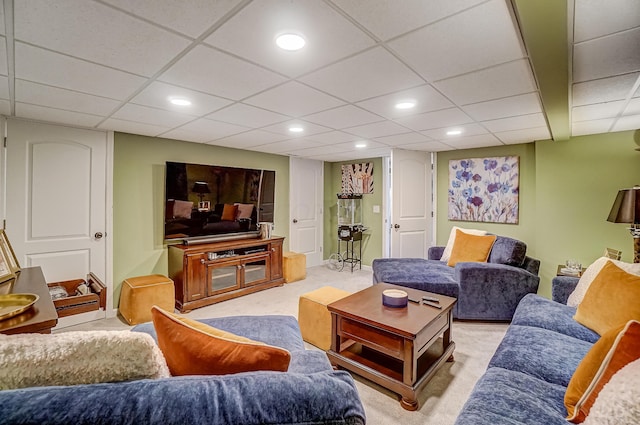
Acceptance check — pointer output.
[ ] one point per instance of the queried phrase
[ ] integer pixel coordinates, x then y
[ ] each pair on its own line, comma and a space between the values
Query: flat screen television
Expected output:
212, 202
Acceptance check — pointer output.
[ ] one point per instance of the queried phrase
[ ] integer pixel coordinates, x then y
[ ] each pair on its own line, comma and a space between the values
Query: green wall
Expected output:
566, 191
138, 197
372, 238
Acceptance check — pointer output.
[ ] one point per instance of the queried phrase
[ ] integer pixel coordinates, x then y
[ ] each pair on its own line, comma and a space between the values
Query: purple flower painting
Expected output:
484, 189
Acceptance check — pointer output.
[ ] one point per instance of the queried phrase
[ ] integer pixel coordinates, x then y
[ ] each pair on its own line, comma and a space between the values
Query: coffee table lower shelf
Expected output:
387, 371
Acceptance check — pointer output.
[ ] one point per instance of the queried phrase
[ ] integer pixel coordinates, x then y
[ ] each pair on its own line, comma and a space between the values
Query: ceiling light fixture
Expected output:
296, 129
454, 132
290, 41
361, 145
406, 104
180, 101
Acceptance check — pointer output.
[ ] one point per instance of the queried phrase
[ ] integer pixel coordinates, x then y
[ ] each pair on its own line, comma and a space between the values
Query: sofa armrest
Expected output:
492, 290
562, 287
435, 252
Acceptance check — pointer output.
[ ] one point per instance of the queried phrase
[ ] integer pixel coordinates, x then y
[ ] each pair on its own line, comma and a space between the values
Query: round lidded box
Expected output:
394, 298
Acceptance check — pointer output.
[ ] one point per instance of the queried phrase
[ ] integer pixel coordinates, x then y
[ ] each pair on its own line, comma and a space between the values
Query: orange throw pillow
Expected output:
613, 351
194, 348
469, 247
229, 212
613, 298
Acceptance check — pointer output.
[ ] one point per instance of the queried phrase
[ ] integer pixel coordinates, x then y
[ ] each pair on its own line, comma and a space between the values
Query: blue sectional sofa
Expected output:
485, 291
311, 392
527, 377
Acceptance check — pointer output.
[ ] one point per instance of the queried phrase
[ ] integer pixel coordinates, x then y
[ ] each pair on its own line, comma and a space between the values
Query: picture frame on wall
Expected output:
8, 253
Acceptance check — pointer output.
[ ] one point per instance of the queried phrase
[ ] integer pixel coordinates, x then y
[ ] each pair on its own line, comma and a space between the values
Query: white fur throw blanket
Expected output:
82, 357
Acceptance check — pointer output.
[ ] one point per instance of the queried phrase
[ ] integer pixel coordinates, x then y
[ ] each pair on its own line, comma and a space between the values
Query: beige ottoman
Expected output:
314, 318
140, 293
294, 266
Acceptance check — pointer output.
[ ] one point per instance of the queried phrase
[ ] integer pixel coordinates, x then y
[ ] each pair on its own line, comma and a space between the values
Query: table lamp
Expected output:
201, 188
626, 209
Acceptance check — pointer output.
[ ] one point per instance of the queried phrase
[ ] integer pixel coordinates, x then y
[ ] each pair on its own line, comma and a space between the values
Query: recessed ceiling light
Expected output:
290, 41
454, 132
361, 145
406, 104
180, 101
296, 129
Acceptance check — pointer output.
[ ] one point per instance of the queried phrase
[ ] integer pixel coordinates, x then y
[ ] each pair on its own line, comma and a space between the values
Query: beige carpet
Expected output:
440, 401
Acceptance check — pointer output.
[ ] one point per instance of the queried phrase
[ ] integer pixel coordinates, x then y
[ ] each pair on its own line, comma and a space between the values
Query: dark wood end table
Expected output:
393, 347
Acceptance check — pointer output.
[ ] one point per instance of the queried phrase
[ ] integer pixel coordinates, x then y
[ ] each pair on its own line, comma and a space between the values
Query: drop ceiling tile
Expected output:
479, 141
584, 128
43, 66
504, 80
132, 127
333, 137
190, 17
379, 129
390, 18
217, 73
5, 107
309, 128
460, 42
427, 146
438, 119
360, 154
604, 90
516, 123
604, 57
597, 111
209, 130
42, 113
157, 95
426, 97
466, 129
633, 108
343, 116
527, 135
320, 150
329, 36
500, 108
242, 114
3, 55
248, 139
596, 18
345, 79
628, 122
285, 146
403, 139
93, 31
53, 97
153, 116
4, 87
294, 99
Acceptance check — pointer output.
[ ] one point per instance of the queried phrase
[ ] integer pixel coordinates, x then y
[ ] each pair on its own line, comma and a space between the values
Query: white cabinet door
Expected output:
306, 178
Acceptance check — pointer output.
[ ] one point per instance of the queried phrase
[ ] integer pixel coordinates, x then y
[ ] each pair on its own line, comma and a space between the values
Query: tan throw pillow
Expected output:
591, 272
471, 248
229, 212
194, 348
79, 357
613, 298
182, 209
609, 354
244, 211
452, 238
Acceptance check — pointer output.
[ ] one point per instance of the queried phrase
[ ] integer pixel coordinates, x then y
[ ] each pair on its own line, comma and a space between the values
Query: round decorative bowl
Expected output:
394, 298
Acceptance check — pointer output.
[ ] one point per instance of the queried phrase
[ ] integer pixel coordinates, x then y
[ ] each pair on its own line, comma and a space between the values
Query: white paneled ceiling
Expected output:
115, 64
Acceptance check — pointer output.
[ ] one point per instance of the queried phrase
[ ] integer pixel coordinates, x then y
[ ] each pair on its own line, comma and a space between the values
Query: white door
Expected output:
411, 203
56, 199
306, 179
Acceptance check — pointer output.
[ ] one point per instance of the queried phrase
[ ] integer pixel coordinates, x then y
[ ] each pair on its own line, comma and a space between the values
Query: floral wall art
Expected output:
484, 189
357, 178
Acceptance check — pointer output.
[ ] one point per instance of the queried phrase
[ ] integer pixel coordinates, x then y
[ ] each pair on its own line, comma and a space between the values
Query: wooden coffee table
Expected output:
400, 349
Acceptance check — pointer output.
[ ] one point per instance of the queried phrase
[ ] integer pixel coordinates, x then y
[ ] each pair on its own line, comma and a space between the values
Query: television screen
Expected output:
209, 201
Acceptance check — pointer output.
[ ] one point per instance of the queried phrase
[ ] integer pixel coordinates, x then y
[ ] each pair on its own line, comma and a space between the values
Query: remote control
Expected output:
433, 299
414, 300
429, 303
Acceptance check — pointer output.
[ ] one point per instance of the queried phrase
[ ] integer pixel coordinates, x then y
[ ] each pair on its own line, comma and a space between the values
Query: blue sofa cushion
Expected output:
506, 397
418, 273
508, 251
541, 312
540, 353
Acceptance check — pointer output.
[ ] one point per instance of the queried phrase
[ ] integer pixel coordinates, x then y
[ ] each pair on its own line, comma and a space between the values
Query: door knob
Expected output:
295, 220
396, 226
98, 235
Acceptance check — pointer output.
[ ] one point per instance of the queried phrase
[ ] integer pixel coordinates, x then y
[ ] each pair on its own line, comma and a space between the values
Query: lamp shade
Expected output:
200, 187
626, 207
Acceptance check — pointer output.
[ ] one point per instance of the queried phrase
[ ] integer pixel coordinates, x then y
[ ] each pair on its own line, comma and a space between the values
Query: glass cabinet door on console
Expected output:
223, 276
256, 270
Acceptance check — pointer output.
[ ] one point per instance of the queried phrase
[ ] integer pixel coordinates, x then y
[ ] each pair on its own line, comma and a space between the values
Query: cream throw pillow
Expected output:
446, 254
576, 297
80, 357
